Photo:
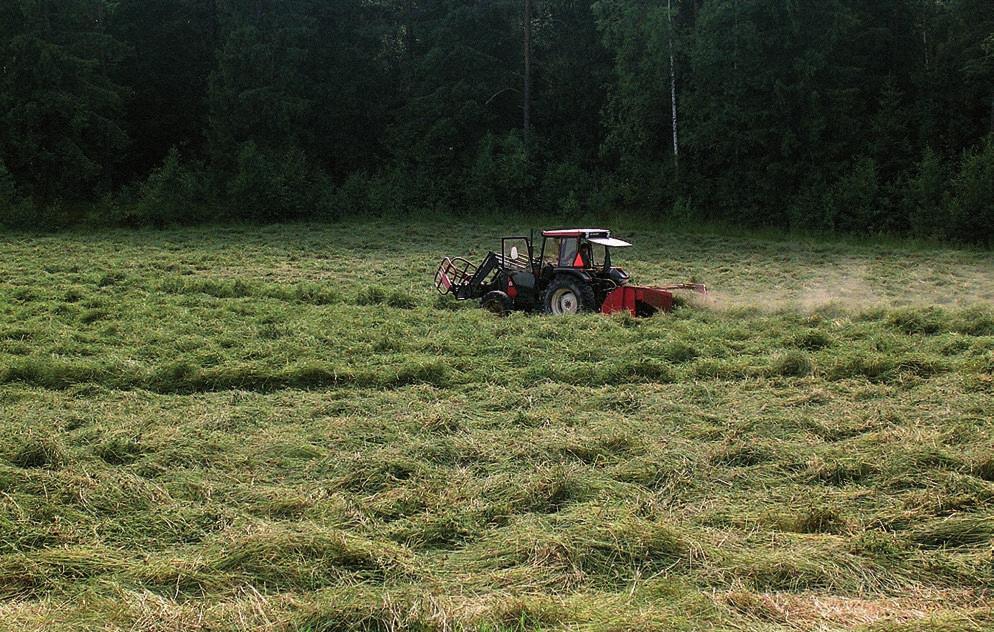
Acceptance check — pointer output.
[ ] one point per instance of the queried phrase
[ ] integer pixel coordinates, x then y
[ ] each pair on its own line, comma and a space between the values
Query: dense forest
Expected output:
840, 115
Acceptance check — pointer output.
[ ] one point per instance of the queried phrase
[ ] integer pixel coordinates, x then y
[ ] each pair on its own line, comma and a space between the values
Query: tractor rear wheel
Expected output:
568, 295
497, 302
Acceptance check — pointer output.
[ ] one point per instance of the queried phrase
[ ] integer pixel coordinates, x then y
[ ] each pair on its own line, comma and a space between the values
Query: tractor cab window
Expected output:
599, 256
552, 253
567, 251
516, 253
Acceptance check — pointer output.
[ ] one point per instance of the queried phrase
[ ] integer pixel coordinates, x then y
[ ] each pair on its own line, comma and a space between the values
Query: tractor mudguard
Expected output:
578, 273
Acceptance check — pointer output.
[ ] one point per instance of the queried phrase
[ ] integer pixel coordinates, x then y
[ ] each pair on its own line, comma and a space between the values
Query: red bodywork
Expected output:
628, 297
642, 301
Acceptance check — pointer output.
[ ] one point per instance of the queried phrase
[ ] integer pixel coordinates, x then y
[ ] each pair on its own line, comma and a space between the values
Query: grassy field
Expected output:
286, 428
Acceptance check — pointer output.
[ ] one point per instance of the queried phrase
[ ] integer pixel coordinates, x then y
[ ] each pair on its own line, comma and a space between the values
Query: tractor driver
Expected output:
584, 257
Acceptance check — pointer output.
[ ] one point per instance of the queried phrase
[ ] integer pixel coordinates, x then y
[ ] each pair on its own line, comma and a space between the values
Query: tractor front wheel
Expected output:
497, 302
567, 295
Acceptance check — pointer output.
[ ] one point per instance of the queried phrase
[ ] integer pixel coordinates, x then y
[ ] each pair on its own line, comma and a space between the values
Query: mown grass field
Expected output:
284, 428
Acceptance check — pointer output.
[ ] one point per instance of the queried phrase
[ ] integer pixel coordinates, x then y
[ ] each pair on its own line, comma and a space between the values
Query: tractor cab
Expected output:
581, 249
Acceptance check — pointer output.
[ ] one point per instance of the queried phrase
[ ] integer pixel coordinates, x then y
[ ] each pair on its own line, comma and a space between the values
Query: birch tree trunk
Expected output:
526, 123
409, 35
676, 141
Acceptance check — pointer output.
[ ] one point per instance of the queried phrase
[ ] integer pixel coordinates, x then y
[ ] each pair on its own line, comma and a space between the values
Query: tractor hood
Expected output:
610, 242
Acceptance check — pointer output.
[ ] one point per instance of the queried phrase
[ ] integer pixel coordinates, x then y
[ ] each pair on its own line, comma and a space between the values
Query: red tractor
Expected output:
571, 274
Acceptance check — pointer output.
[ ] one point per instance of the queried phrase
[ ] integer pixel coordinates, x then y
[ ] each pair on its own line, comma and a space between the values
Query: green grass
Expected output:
286, 428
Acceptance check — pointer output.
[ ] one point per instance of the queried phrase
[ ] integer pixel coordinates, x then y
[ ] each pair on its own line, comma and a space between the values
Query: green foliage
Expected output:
927, 197
362, 194
170, 49
500, 178
8, 188
825, 115
854, 202
60, 111
971, 208
174, 193
271, 186
566, 189
257, 92
14, 210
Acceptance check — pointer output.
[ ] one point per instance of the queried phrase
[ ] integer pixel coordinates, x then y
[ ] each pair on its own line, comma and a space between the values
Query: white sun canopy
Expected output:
611, 242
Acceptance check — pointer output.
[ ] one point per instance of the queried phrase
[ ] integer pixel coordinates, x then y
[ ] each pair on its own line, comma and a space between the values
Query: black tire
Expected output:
568, 295
497, 302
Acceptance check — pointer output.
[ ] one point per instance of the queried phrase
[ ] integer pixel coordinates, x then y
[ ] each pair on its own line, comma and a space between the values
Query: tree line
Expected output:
840, 115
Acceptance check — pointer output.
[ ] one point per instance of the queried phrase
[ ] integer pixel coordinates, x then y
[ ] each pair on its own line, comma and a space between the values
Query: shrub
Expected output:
8, 189
387, 193
365, 194
15, 211
854, 202
925, 196
971, 209
565, 188
351, 195
500, 178
174, 193
272, 187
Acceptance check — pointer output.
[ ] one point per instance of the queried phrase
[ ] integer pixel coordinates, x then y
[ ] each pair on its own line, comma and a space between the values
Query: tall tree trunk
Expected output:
925, 45
676, 141
409, 35
528, 69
